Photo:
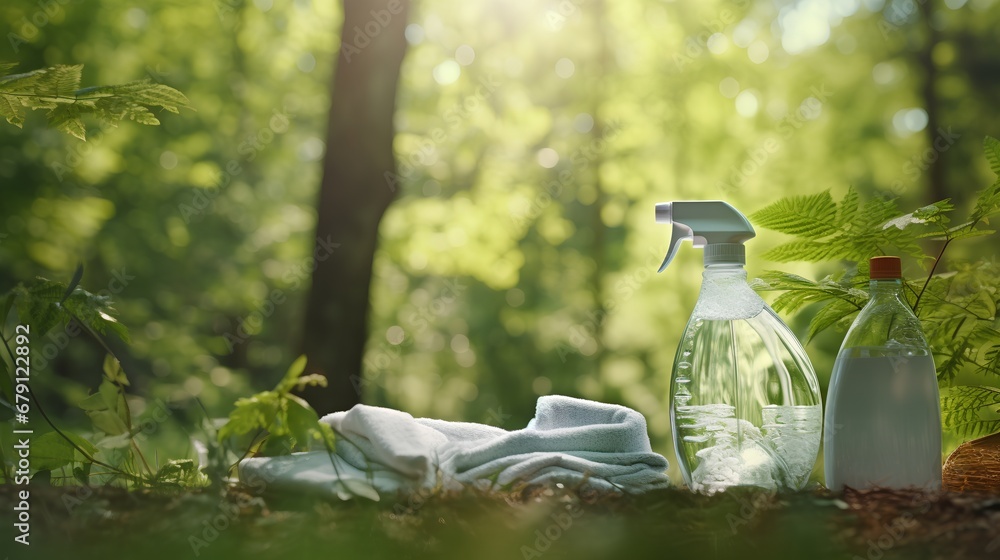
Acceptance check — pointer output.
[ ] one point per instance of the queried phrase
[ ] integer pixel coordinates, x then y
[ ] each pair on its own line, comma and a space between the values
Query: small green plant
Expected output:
957, 307
57, 91
287, 421
112, 444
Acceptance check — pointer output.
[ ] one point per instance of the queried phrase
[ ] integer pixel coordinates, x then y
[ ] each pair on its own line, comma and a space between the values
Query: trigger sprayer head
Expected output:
712, 224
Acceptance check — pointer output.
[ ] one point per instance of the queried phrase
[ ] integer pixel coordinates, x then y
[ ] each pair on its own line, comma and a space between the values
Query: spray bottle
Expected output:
745, 405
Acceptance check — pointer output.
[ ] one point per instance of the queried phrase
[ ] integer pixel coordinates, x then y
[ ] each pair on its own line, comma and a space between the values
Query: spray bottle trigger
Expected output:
679, 233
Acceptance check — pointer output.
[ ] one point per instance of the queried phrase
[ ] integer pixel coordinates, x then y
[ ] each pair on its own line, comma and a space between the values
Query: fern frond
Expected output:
66, 117
837, 312
799, 291
848, 206
63, 81
971, 411
809, 217
991, 359
992, 148
808, 251
12, 111
57, 90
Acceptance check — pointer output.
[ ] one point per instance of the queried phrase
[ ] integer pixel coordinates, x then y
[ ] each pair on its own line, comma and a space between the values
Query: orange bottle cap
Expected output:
884, 268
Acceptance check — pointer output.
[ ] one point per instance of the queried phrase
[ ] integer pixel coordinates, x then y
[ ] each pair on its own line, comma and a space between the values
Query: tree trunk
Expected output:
937, 187
356, 189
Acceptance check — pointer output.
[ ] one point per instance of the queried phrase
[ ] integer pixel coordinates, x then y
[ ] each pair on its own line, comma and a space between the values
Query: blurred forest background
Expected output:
532, 140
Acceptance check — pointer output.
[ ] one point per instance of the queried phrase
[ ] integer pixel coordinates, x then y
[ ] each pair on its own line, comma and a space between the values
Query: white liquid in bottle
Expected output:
883, 421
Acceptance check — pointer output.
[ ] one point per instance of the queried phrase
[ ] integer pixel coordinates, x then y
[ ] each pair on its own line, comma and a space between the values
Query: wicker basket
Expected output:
974, 466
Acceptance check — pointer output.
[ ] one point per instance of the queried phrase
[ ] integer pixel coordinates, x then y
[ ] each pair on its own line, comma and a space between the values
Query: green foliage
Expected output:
841, 292
847, 230
958, 308
113, 442
290, 423
57, 90
971, 411
46, 304
53, 450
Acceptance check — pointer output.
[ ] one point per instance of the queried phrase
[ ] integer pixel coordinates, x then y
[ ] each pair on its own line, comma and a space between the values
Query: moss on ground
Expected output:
534, 523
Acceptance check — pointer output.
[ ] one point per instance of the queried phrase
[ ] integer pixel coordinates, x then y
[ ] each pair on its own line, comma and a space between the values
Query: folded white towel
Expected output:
380, 450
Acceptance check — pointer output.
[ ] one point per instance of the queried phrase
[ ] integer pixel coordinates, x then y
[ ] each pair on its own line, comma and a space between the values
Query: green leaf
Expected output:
35, 304
77, 276
799, 291
251, 414
931, 214
987, 202
51, 451
66, 117
291, 377
82, 474
38, 304
847, 208
302, 419
57, 90
95, 312
971, 411
809, 251
12, 110
94, 402
6, 305
113, 370
359, 488
64, 80
809, 217
182, 472
108, 422
836, 312
6, 382
992, 148
120, 441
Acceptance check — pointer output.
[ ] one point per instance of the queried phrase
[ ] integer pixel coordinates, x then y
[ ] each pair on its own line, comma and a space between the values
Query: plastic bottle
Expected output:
745, 404
883, 416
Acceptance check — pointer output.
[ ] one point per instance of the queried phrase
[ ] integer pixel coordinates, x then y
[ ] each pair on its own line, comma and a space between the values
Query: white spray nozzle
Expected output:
712, 224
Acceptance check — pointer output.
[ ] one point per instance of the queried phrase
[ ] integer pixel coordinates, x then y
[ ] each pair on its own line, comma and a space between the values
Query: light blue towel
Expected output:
380, 451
